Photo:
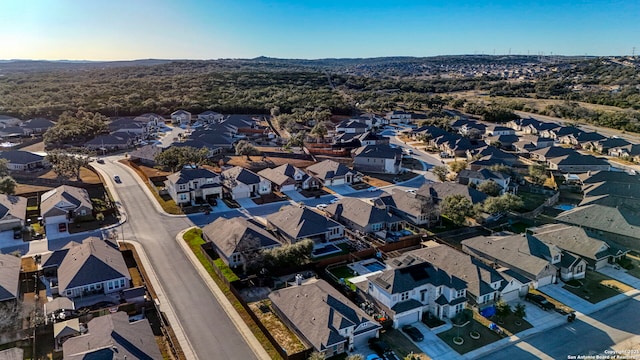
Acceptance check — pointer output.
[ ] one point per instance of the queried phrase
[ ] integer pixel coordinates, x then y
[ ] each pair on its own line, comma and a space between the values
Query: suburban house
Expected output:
453, 145
287, 177
112, 142
631, 151
488, 156
210, 117
37, 125
191, 185
578, 163
324, 318
351, 127
212, 150
332, 173
62, 205
484, 284
581, 139
371, 138
528, 143
362, 216
478, 177
181, 117
113, 336
14, 132
602, 146
526, 255
92, 267
530, 125
580, 242
6, 120
371, 120
377, 159
152, 120
558, 132
213, 137
128, 125
237, 240
13, 212
473, 130
18, 160
241, 183
502, 141
414, 208
10, 267
413, 287
248, 124
146, 155
398, 117
295, 223
548, 153
498, 130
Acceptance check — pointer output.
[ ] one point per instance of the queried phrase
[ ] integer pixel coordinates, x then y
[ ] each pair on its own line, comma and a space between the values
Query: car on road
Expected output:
117, 179
321, 206
413, 333
334, 200
100, 161
540, 300
372, 189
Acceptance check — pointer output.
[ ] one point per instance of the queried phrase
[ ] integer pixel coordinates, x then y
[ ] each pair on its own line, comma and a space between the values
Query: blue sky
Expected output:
211, 29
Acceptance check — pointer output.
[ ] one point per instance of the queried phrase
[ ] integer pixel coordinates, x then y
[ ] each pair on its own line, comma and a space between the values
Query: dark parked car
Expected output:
379, 346
413, 333
100, 161
540, 300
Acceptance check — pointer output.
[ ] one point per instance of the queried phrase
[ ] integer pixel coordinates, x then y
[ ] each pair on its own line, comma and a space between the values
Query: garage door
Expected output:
511, 295
408, 318
545, 281
288, 188
241, 195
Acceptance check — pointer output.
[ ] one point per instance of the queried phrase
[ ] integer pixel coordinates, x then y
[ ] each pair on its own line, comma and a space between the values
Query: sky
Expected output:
312, 29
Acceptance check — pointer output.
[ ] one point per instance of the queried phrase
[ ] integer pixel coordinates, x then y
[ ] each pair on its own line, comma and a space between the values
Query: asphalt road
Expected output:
590, 335
210, 331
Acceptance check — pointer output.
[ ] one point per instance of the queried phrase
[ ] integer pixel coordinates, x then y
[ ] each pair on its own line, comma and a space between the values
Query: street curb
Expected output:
231, 312
165, 304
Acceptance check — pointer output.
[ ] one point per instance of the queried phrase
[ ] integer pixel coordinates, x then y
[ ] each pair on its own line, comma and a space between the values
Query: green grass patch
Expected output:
226, 270
342, 272
487, 336
594, 287
531, 201
194, 239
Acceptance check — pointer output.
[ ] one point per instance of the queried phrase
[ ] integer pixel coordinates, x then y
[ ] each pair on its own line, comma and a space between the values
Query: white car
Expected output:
321, 206
334, 200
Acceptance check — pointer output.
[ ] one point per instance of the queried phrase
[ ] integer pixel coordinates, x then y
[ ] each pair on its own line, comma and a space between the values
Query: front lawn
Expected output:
635, 261
597, 287
487, 336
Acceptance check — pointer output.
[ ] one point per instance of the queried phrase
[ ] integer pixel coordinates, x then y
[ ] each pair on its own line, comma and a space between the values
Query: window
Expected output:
404, 296
423, 295
68, 292
83, 212
579, 269
460, 293
376, 227
183, 197
438, 291
556, 258
121, 282
110, 285
182, 187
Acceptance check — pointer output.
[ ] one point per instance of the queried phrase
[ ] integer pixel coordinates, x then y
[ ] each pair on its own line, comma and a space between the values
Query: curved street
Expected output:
209, 329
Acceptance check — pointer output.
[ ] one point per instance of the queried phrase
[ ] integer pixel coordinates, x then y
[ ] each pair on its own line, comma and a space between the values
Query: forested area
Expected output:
318, 88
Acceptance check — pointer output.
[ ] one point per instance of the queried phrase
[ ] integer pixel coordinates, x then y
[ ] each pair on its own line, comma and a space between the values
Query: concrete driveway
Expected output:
535, 315
432, 345
620, 275
578, 304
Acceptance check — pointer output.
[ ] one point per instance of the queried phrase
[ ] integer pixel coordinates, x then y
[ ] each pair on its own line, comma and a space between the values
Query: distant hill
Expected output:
14, 66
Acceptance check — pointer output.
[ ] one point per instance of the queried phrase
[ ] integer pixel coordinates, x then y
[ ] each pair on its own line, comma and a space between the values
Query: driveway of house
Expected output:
576, 303
246, 203
535, 315
621, 275
295, 196
432, 345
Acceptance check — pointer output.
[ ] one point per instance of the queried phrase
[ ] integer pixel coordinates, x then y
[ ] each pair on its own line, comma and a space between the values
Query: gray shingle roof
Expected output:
237, 234
440, 191
241, 175
38, 123
474, 272
112, 336
74, 195
300, 222
147, 152
281, 175
409, 272
412, 204
9, 276
573, 239
88, 263
20, 157
185, 175
12, 207
360, 212
483, 174
380, 151
15, 353
554, 151
518, 252
328, 169
319, 312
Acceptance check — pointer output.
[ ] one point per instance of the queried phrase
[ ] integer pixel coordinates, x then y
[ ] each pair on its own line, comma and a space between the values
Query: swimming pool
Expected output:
374, 266
564, 207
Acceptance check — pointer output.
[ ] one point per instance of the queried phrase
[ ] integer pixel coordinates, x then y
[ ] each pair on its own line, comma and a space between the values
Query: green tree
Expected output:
457, 208
520, 311
355, 357
458, 166
490, 188
538, 174
7, 185
174, 158
320, 130
503, 203
243, 147
316, 356
288, 255
75, 128
502, 309
441, 172
66, 165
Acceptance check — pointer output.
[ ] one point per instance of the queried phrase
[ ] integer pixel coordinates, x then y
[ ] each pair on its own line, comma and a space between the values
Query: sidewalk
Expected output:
243, 329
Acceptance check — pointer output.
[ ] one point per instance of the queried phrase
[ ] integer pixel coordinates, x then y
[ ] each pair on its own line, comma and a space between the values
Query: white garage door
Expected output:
241, 195
288, 188
338, 182
408, 318
511, 295
545, 280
